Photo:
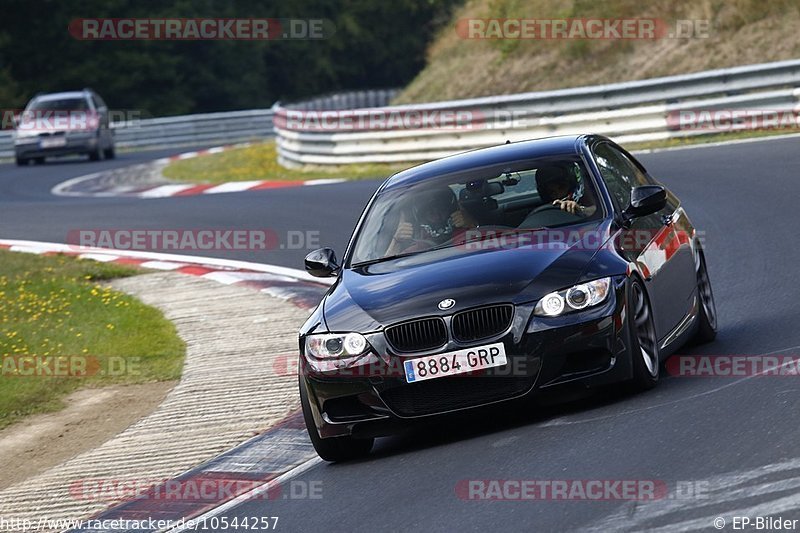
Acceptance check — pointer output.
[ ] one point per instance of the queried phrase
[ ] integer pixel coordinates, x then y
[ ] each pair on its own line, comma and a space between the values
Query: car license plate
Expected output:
54, 143
454, 363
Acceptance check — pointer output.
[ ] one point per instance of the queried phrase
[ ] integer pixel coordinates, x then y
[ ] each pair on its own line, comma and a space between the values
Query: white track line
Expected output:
42, 247
253, 493
232, 186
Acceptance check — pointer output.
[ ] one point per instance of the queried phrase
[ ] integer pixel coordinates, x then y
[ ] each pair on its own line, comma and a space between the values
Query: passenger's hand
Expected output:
457, 218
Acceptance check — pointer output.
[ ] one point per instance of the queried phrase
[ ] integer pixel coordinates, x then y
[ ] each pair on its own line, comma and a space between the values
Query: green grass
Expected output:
251, 163
741, 32
260, 162
54, 306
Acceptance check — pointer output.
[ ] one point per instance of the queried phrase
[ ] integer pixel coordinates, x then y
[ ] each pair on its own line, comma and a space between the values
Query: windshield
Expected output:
442, 211
63, 104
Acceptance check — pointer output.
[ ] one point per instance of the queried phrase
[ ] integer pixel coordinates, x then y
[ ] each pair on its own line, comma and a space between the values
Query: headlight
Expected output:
574, 299
331, 345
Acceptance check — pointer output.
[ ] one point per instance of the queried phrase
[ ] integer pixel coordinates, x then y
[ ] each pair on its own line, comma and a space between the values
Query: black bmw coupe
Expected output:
493, 274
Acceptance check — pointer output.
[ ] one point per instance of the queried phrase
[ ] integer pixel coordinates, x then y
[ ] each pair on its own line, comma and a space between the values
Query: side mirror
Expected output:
321, 263
645, 200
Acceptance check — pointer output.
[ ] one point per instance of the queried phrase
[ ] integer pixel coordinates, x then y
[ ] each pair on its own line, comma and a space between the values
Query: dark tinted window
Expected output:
437, 212
65, 104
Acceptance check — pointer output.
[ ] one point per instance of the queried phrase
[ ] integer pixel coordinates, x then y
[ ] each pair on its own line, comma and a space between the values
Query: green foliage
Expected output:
260, 162
375, 44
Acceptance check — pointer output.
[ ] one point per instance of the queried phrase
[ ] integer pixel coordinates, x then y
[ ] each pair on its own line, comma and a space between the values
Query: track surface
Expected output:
737, 437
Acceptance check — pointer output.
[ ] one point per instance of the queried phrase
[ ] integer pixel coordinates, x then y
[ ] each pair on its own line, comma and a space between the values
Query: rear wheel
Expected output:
644, 342
109, 152
333, 448
39, 160
707, 317
21, 161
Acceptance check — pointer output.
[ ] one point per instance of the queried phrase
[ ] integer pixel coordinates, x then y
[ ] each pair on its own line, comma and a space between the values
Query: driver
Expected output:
558, 186
435, 218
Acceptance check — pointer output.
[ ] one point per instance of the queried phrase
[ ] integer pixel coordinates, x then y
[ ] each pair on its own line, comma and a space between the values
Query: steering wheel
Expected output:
492, 227
546, 207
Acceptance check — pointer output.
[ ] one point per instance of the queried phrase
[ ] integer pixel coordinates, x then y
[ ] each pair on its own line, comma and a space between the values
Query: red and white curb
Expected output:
93, 184
164, 191
289, 284
256, 468
198, 153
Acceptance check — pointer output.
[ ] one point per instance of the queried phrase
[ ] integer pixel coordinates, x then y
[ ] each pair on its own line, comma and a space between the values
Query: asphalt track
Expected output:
734, 440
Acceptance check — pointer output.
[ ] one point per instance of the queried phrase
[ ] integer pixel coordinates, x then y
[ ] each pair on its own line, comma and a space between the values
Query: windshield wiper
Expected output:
382, 259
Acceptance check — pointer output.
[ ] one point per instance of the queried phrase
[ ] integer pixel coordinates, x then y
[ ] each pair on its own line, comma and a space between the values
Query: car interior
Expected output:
512, 200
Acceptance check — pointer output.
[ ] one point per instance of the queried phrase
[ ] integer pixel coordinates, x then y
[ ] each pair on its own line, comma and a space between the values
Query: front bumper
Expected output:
74, 143
588, 347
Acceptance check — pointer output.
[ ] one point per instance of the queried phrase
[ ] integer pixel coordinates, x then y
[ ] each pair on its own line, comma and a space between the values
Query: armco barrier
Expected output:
628, 112
219, 128
210, 128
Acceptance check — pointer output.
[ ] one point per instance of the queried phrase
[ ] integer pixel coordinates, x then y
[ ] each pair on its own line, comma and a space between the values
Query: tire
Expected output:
38, 160
109, 152
21, 161
707, 316
334, 449
96, 155
644, 351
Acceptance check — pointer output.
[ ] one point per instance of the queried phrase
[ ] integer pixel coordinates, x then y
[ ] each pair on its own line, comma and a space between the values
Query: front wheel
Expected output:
333, 448
644, 341
98, 154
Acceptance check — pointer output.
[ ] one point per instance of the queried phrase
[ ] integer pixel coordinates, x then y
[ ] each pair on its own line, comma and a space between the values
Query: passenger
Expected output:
435, 219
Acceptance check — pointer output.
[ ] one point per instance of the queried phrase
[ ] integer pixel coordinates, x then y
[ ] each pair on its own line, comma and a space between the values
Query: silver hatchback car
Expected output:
62, 124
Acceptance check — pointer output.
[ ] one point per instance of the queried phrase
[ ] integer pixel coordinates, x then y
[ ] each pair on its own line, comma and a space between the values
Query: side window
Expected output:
620, 173
98, 101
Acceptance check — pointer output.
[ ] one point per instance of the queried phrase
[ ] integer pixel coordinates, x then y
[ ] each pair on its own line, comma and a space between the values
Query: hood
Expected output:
369, 297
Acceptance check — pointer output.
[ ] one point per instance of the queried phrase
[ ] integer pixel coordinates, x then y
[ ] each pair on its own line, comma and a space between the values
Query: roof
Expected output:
61, 96
517, 151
